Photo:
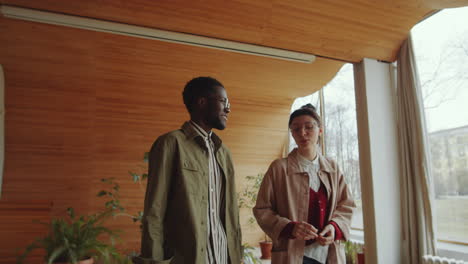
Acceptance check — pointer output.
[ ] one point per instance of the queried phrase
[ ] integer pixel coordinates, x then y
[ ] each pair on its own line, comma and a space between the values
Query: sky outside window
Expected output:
441, 50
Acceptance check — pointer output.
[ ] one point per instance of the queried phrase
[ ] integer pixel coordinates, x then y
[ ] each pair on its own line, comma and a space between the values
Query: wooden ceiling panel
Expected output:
344, 29
236, 20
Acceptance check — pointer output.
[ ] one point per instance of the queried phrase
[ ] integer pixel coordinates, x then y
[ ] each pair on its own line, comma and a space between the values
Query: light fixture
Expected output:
150, 33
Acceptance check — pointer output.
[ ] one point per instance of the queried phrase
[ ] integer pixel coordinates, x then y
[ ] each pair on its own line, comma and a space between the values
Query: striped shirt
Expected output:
217, 241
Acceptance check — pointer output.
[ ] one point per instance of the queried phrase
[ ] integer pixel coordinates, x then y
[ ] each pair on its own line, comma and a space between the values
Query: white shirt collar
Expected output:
307, 162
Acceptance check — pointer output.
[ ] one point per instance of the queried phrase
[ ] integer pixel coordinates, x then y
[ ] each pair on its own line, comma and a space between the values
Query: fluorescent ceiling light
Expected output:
150, 33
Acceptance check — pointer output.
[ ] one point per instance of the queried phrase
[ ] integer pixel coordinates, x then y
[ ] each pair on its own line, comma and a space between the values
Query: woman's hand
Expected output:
327, 236
304, 231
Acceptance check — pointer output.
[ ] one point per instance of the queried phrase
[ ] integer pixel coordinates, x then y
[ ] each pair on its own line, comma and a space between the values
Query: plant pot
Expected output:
86, 261
360, 258
265, 248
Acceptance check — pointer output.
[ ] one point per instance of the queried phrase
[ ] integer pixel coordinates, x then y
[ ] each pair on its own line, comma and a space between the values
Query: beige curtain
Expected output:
418, 230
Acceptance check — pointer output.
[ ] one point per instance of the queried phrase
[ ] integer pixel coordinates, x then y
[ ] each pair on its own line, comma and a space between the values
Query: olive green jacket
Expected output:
175, 211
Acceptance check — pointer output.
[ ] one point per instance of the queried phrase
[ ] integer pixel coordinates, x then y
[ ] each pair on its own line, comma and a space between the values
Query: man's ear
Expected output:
201, 102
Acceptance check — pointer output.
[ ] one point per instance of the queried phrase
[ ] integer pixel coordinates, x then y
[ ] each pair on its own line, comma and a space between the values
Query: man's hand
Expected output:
327, 236
304, 231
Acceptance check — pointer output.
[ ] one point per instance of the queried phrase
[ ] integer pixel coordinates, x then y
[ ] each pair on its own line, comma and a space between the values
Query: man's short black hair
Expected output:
198, 87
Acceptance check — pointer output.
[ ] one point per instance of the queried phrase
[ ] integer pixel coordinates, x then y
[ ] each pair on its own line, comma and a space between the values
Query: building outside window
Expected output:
441, 49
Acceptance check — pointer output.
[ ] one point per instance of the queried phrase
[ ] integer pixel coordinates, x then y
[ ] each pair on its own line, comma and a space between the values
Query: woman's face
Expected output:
305, 131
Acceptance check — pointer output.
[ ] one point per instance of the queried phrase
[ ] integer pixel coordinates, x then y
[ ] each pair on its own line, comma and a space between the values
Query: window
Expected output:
341, 142
340, 124
461, 151
441, 49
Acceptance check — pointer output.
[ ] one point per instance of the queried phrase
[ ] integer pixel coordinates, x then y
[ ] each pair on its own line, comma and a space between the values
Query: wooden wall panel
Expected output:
16, 227
84, 105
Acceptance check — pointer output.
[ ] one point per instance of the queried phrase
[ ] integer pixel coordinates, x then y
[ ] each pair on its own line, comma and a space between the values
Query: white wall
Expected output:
378, 146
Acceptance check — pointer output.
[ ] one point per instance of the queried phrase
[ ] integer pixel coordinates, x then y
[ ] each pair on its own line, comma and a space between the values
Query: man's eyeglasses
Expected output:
224, 101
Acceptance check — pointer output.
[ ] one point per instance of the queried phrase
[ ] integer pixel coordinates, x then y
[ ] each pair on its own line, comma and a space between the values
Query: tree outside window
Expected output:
441, 49
340, 124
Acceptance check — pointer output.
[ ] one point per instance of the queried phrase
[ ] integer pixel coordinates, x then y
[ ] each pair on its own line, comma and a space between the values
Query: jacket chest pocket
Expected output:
191, 177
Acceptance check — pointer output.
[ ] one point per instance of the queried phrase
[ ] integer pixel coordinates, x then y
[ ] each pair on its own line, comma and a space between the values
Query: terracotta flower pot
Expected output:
86, 261
360, 258
265, 248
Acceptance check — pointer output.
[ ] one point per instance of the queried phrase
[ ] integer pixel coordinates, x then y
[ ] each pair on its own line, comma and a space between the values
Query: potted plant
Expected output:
247, 199
248, 256
75, 240
350, 252
361, 256
117, 209
78, 239
265, 247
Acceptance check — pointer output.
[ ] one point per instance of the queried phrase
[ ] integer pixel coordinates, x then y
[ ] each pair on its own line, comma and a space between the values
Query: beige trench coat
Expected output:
284, 197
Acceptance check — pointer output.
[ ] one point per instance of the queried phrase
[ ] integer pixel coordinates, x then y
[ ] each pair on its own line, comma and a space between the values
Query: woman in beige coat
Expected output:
303, 203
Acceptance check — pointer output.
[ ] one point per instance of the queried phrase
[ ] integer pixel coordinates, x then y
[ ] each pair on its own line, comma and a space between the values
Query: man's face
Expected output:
218, 108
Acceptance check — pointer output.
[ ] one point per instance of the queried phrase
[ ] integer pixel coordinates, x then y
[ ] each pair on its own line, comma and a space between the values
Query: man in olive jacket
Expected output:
191, 213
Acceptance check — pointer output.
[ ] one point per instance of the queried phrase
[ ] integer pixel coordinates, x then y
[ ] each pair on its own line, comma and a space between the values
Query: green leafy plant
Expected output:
113, 204
139, 177
350, 251
73, 238
248, 256
113, 194
248, 197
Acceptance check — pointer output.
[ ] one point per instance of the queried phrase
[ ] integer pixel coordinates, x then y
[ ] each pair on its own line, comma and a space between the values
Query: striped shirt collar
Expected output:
192, 133
200, 130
